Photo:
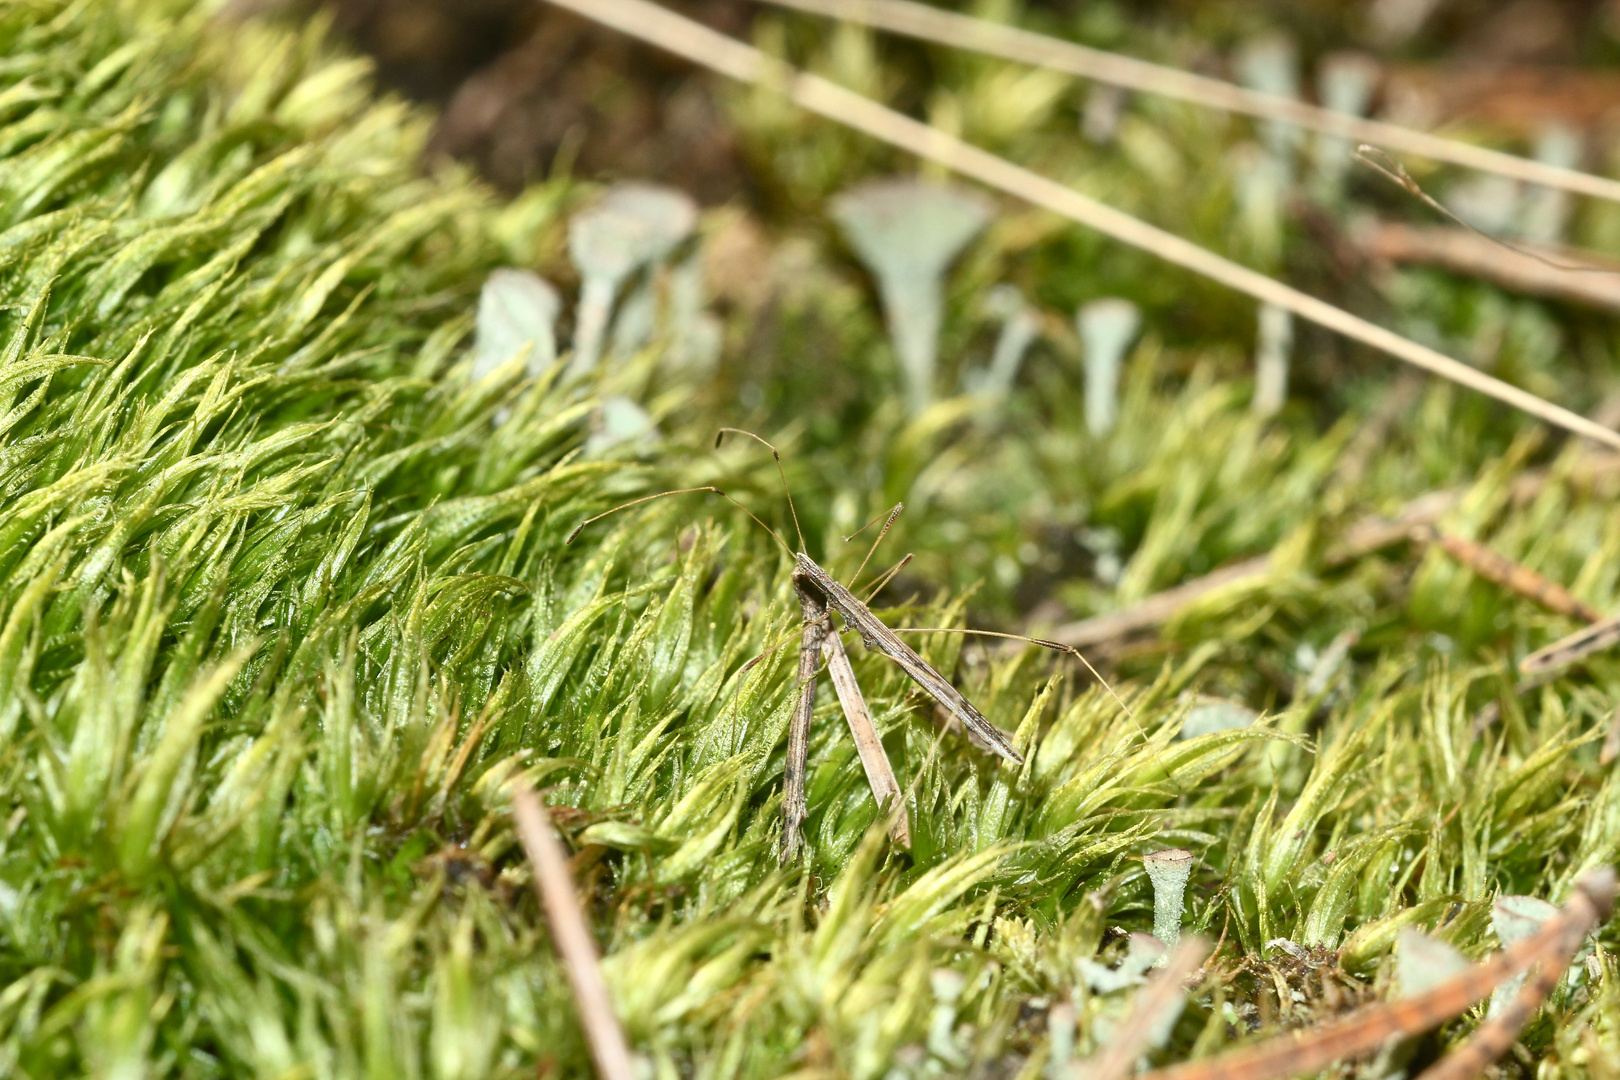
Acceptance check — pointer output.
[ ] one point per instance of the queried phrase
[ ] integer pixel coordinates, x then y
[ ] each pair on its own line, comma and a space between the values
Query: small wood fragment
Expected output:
874, 760
1576, 647
571, 934
1367, 1028
1513, 576
1496, 1035
1579, 277
1133, 1037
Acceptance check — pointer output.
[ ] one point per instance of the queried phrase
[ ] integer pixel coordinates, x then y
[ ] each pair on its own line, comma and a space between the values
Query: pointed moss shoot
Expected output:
1168, 871
1107, 328
907, 232
634, 226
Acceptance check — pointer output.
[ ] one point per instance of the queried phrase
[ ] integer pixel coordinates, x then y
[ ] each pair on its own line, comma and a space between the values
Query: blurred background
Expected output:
1029, 503
521, 82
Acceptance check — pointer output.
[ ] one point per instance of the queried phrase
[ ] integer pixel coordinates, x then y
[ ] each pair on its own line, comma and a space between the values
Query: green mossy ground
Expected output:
282, 609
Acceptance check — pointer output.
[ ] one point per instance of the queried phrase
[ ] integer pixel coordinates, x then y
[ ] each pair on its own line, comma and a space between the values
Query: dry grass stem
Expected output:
571, 935
1528, 272
1026, 47
658, 26
1367, 1028
1513, 576
875, 762
1572, 649
1147, 1014
1363, 537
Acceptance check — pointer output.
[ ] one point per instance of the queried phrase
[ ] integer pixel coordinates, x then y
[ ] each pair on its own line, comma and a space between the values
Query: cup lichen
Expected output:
907, 232
1168, 870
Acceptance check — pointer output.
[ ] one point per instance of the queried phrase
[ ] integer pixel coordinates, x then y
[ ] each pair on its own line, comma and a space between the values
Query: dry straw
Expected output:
728, 56
1026, 47
572, 935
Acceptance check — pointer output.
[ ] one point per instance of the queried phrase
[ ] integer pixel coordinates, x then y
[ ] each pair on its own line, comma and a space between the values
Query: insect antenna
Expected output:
887, 525
1394, 171
1056, 646
680, 491
777, 457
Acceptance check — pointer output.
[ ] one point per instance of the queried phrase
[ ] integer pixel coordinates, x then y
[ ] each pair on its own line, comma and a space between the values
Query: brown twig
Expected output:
879, 772
571, 934
1513, 576
1529, 272
1135, 1033
1367, 1028
1496, 1035
1568, 650
1361, 538
1023, 46
728, 56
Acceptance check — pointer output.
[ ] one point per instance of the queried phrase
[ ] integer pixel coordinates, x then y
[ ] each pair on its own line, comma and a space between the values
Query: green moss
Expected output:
284, 608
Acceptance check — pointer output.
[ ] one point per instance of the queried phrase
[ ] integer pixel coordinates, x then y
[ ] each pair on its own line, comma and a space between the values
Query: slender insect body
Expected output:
819, 597
879, 638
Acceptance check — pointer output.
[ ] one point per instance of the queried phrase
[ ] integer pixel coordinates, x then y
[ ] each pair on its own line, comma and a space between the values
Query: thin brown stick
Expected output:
1576, 647
696, 42
1513, 576
1026, 47
798, 746
1135, 1033
874, 760
1496, 1035
1526, 269
1367, 1028
571, 934
1363, 537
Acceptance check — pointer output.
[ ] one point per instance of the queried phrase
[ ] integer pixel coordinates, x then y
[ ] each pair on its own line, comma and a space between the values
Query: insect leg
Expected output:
879, 772
798, 748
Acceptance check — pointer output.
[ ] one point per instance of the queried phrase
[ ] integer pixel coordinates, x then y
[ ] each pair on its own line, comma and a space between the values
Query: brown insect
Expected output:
821, 596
